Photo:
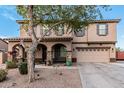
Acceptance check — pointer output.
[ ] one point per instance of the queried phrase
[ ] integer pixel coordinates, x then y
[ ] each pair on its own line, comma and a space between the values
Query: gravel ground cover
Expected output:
45, 78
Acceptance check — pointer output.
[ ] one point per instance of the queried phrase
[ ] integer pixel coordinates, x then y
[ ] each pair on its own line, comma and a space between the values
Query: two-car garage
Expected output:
92, 54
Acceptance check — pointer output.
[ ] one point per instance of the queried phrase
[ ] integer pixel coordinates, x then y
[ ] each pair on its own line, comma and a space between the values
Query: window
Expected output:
102, 29
46, 31
60, 31
80, 32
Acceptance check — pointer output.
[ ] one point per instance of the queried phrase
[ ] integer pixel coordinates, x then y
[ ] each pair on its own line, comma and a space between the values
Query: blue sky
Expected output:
117, 12
9, 27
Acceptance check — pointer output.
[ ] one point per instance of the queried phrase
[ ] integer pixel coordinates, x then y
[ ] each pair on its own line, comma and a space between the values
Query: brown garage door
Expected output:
93, 55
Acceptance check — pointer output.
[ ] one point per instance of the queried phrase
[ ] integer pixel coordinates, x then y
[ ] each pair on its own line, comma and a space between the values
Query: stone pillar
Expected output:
9, 56
49, 58
69, 56
9, 53
20, 52
21, 56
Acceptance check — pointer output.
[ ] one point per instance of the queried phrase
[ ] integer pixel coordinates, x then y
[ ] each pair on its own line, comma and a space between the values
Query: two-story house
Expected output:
96, 43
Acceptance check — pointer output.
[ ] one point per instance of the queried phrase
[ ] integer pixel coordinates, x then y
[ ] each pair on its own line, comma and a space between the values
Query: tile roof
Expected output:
3, 40
106, 20
92, 21
44, 39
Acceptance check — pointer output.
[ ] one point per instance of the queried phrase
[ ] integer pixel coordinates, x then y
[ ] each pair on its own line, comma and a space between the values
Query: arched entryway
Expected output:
41, 54
18, 52
59, 53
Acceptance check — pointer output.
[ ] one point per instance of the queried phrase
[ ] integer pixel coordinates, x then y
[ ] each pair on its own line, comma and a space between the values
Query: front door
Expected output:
59, 54
44, 54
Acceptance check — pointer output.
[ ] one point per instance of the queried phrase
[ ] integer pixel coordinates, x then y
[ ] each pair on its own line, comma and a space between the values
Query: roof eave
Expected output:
106, 21
93, 21
22, 21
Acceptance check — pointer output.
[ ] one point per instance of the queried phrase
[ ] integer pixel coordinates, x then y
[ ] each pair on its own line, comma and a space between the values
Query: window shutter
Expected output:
106, 29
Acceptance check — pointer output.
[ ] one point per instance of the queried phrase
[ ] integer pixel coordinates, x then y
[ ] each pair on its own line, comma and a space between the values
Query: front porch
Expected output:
58, 54
47, 52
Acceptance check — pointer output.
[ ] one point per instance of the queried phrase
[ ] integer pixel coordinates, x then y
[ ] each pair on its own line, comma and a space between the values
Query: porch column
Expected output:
49, 58
20, 57
69, 56
9, 54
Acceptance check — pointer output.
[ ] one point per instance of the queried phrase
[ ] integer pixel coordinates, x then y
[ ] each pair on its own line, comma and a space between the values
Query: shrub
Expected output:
69, 63
3, 74
23, 69
10, 65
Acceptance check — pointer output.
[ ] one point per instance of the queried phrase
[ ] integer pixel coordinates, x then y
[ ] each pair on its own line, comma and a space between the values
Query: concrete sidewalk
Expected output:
101, 75
56, 67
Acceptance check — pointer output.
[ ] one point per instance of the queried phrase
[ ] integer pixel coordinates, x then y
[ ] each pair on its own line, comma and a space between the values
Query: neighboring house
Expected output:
120, 56
3, 51
96, 43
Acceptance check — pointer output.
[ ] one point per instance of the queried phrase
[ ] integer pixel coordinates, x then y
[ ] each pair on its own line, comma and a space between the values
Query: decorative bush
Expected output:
23, 69
3, 74
10, 65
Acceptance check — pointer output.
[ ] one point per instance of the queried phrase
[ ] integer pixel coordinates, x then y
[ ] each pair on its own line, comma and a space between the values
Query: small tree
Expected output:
118, 49
74, 17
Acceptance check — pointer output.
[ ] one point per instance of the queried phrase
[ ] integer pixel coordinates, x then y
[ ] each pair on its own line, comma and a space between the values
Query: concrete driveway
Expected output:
102, 75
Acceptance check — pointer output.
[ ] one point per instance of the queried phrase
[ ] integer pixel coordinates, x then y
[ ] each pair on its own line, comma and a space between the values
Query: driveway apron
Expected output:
101, 75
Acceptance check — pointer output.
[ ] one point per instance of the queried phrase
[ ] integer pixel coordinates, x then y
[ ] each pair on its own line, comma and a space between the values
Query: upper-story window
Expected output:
46, 31
60, 30
80, 32
102, 29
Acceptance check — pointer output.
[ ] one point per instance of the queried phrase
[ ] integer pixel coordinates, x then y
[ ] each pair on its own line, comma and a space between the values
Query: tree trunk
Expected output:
32, 48
31, 58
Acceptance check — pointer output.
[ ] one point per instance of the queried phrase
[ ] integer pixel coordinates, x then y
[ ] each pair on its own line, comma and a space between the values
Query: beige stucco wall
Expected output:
80, 39
3, 45
23, 32
3, 57
90, 33
92, 36
3, 52
38, 30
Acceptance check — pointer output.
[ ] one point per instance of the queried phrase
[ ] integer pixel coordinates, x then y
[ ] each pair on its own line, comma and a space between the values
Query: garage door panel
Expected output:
93, 56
